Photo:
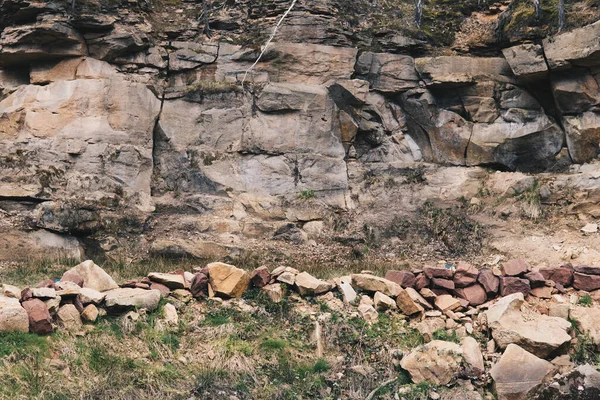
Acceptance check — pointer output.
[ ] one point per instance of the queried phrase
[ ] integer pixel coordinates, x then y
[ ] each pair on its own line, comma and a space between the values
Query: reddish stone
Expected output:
199, 286
421, 281
474, 294
584, 269
260, 277
515, 267
405, 279
562, 275
536, 279
146, 280
142, 285
586, 282
489, 281
440, 283
464, 303
72, 276
48, 283
26, 294
438, 272
164, 291
510, 285
40, 321
465, 274
439, 292
129, 284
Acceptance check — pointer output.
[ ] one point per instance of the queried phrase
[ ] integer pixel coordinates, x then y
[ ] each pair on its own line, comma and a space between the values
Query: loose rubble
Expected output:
531, 334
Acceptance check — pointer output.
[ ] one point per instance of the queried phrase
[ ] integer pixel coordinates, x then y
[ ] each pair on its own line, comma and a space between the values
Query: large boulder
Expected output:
436, 362
131, 298
518, 373
580, 47
93, 276
538, 334
526, 61
226, 280
13, 317
587, 321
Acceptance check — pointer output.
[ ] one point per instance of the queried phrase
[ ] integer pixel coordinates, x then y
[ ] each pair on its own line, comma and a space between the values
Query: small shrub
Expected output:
584, 351
273, 344
321, 366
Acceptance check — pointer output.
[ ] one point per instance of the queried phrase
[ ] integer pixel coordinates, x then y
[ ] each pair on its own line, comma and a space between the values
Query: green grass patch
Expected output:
446, 335
22, 343
586, 300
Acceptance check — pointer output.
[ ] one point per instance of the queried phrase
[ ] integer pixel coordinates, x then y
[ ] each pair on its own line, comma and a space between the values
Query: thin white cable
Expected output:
264, 49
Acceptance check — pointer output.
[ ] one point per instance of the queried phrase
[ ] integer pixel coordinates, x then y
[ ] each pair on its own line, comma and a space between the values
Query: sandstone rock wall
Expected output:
108, 114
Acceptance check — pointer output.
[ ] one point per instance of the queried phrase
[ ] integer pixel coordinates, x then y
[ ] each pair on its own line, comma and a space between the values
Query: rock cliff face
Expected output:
126, 118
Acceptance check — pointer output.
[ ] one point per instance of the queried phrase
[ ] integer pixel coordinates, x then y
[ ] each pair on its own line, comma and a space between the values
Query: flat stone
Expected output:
227, 280
518, 373
381, 302
562, 275
93, 276
586, 282
172, 281
372, 283
438, 272
130, 298
445, 284
489, 281
515, 267
585, 269
447, 302
308, 285
407, 304
91, 296
510, 285
465, 275
13, 317
526, 61
40, 321
43, 293
544, 292
559, 310
405, 279
436, 362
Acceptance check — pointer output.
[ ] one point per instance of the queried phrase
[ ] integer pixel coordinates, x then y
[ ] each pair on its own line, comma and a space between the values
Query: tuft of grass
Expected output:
584, 351
321, 366
306, 195
273, 344
22, 344
586, 300
446, 335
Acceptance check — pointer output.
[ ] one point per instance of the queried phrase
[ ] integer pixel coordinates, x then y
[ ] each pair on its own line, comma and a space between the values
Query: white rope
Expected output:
264, 49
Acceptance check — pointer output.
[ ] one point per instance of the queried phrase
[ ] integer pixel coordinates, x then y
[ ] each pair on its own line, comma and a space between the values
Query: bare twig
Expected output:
378, 388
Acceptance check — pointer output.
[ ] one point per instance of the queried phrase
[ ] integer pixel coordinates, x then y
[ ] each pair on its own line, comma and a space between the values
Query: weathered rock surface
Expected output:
172, 281
227, 280
40, 321
538, 334
518, 373
13, 317
130, 298
94, 277
372, 283
587, 321
69, 318
436, 362
472, 356
526, 61
309, 285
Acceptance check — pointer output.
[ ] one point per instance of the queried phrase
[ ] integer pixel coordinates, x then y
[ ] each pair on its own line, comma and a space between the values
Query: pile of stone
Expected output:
528, 339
